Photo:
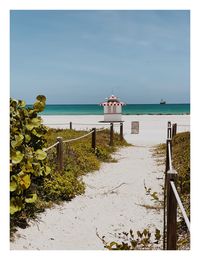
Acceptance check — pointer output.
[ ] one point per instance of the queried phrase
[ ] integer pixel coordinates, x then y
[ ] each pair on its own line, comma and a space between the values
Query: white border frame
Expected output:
8, 5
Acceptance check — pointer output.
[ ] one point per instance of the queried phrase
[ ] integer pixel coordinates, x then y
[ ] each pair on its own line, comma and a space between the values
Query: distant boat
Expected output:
162, 102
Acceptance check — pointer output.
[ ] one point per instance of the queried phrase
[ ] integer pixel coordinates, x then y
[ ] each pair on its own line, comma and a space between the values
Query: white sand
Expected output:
110, 203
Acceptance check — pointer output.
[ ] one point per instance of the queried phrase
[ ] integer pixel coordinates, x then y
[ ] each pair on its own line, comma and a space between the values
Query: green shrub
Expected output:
27, 156
62, 186
103, 154
34, 180
181, 160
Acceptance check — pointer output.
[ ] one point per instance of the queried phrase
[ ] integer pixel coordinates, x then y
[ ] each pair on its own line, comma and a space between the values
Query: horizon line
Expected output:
61, 104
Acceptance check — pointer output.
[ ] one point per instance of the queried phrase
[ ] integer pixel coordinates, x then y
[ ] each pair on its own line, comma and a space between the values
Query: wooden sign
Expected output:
135, 127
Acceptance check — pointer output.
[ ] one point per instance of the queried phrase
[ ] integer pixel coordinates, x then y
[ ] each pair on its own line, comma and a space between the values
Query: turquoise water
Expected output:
129, 109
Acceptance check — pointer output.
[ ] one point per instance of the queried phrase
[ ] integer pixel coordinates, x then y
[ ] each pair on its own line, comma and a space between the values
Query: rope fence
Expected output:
78, 138
57, 124
180, 205
171, 196
60, 142
103, 129
47, 149
183, 125
91, 124
99, 124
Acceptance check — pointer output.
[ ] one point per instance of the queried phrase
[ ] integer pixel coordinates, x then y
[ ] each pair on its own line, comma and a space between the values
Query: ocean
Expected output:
129, 109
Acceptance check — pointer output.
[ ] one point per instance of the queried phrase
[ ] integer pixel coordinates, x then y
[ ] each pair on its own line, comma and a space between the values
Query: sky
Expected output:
81, 57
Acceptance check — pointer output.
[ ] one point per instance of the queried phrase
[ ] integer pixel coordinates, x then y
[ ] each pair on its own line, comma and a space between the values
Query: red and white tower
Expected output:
112, 109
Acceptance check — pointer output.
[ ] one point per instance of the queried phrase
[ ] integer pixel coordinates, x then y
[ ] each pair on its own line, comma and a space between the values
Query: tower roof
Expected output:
112, 101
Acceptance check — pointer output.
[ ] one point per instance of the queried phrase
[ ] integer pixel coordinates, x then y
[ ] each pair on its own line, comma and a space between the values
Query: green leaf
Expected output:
32, 123
18, 140
145, 232
21, 103
24, 180
15, 205
27, 138
139, 234
133, 243
40, 155
13, 185
39, 106
28, 167
32, 199
14, 208
154, 196
13, 103
36, 133
157, 234
41, 98
113, 243
47, 170
16, 157
131, 233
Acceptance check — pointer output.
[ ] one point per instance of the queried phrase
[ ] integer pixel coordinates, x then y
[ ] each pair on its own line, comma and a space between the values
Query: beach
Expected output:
115, 195
152, 128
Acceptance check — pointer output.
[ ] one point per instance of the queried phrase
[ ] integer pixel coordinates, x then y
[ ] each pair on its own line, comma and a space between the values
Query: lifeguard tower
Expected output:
112, 109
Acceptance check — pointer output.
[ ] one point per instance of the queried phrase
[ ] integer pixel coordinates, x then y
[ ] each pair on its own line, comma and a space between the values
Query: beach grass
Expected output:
181, 162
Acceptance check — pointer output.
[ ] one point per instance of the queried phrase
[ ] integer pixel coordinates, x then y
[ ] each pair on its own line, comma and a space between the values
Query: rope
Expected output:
170, 157
56, 124
100, 130
89, 124
80, 137
180, 205
183, 125
164, 214
46, 149
116, 124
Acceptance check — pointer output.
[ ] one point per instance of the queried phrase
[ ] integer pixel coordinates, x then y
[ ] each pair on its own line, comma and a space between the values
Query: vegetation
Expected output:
28, 160
35, 182
181, 162
129, 241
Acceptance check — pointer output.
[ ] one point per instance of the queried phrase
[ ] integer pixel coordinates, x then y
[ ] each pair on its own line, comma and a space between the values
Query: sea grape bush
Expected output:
35, 182
27, 155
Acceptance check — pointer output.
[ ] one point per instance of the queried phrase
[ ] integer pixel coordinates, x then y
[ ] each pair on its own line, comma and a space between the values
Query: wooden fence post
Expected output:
70, 125
94, 138
175, 129
60, 153
167, 167
172, 130
111, 134
171, 212
121, 132
169, 130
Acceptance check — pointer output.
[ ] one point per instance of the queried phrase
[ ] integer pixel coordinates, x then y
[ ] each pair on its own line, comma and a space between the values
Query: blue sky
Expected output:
83, 56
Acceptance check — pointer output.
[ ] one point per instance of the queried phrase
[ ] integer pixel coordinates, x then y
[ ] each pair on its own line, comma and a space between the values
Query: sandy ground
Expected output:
114, 194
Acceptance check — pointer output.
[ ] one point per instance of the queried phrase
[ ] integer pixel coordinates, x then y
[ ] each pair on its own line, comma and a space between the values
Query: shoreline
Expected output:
148, 114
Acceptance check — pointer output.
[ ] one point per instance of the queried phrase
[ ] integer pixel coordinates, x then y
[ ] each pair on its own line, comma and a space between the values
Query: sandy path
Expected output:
110, 203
